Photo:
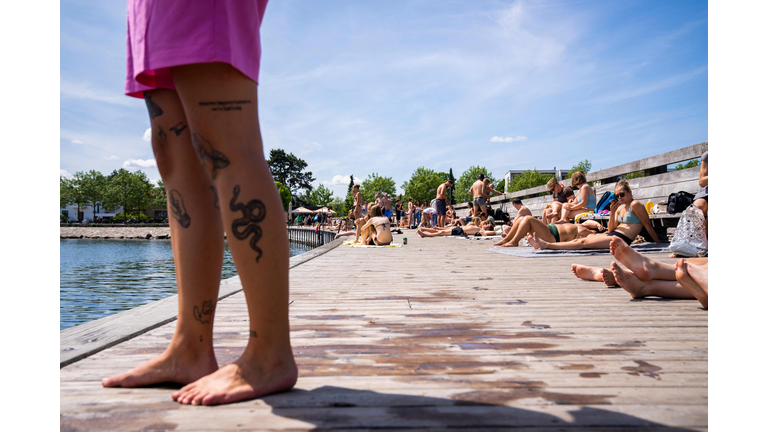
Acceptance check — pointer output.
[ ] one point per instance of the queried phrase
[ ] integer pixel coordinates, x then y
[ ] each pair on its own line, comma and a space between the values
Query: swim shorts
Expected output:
388, 213
163, 34
440, 207
555, 232
626, 239
478, 201
457, 231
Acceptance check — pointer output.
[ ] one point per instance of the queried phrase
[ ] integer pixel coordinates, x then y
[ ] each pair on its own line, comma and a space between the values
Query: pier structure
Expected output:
438, 334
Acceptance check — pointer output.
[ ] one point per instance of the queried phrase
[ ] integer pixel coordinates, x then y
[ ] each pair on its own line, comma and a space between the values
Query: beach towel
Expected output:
529, 252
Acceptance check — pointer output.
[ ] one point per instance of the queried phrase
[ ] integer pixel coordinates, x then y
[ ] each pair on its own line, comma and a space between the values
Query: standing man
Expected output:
440, 203
560, 195
386, 205
358, 202
478, 192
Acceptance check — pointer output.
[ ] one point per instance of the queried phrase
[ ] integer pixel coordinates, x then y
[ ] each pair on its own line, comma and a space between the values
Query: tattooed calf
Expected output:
179, 128
206, 153
178, 210
204, 315
153, 108
162, 137
253, 334
215, 197
253, 213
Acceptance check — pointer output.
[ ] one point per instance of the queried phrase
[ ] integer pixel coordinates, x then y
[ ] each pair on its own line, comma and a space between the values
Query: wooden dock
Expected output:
439, 334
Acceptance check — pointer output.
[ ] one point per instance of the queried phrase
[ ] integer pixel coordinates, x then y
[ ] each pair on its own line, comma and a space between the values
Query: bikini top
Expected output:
591, 202
629, 217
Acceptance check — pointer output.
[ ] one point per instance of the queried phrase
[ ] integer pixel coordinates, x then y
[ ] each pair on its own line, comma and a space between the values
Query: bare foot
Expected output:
627, 280
510, 244
682, 272
608, 278
177, 366
248, 377
420, 233
499, 243
533, 241
561, 221
640, 265
700, 275
587, 273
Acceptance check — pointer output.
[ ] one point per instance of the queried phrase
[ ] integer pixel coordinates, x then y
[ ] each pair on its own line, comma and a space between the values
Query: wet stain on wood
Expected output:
517, 302
643, 368
592, 374
504, 397
627, 344
505, 346
535, 326
577, 367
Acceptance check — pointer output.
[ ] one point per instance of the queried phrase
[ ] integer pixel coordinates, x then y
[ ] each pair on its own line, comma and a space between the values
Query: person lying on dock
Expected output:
551, 233
470, 229
585, 199
687, 279
628, 218
377, 232
560, 195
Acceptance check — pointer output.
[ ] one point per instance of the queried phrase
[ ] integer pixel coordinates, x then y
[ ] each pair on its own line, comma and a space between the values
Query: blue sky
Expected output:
361, 87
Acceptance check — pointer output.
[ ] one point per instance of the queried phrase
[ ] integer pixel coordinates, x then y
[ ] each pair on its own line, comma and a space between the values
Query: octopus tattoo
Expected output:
208, 154
178, 210
253, 213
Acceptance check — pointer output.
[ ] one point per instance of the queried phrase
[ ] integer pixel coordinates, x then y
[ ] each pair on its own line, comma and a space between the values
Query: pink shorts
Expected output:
167, 33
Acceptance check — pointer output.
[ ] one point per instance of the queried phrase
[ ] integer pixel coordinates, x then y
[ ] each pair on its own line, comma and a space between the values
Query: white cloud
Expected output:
139, 163
148, 135
64, 173
75, 141
340, 180
82, 90
509, 139
113, 157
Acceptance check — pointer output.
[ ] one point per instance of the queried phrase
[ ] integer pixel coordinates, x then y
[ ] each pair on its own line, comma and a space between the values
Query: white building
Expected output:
86, 213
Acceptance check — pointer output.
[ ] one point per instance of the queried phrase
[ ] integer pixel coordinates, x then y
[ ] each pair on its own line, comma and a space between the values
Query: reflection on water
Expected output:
102, 277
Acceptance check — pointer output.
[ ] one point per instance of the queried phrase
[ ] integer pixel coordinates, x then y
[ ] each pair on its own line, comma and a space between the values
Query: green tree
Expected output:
452, 189
422, 185
159, 195
93, 186
466, 180
689, 164
634, 175
77, 194
376, 183
350, 200
338, 206
528, 179
583, 166
132, 191
288, 170
65, 192
321, 196
285, 195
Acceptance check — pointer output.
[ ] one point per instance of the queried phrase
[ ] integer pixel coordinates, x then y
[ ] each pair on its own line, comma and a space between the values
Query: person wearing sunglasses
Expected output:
628, 218
560, 195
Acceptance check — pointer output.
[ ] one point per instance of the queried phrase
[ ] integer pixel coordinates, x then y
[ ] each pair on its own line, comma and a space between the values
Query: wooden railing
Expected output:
655, 186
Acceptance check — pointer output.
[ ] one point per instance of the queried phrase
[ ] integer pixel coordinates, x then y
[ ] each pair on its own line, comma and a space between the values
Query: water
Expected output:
102, 277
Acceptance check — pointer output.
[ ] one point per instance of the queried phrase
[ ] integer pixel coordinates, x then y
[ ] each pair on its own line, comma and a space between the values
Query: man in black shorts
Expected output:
440, 203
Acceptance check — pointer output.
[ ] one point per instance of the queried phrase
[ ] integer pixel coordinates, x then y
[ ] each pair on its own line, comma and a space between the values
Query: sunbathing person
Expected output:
628, 218
551, 233
585, 198
560, 195
470, 229
686, 279
377, 230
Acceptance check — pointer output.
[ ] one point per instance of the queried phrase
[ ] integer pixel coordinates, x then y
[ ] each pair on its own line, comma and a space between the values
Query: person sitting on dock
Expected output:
377, 231
585, 199
687, 279
470, 229
560, 195
701, 199
628, 218
553, 233
522, 211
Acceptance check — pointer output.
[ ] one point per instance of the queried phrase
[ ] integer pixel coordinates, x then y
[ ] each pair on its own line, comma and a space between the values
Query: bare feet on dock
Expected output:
641, 266
684, 272
247, 378
627, 280
418, 231
561, 221
594, 274
533, 241
510, 244
608, 278
170, 366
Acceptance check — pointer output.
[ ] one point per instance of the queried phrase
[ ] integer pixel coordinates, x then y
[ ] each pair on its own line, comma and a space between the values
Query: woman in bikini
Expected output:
469, 229
376, 230
585, 198
628, 218
551, 233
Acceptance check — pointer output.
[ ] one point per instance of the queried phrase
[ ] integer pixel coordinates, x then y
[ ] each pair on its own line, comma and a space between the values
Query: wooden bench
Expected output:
655, 186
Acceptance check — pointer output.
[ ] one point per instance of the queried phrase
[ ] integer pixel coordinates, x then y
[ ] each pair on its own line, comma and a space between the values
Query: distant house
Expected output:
514, 173
86, 213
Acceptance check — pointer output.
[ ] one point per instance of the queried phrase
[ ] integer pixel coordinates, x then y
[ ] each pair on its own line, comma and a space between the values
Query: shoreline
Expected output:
118, 233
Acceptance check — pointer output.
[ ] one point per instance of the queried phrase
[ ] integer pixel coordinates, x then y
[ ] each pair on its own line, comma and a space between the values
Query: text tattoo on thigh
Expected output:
233, 105
179, 128
204, 315
153, 108
178, 210
253, 214
209, 155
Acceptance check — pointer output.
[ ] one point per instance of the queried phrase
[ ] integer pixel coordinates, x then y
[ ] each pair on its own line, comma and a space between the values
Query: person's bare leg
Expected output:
683, 272
221, 106
592, 242
594, 274
639, 289
510, 234
197, 240
643, 267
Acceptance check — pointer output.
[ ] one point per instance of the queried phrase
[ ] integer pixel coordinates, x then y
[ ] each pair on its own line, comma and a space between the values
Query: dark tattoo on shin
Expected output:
253, 334
153, 108
235, 105
208, 154
215, 197
204, 315
253, 213
177, 208
162, 136
179, 128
